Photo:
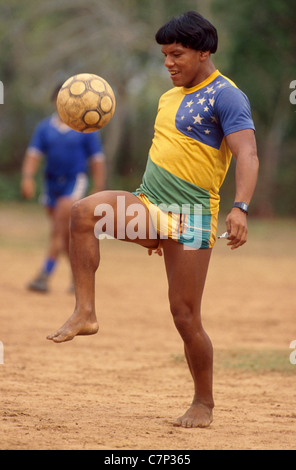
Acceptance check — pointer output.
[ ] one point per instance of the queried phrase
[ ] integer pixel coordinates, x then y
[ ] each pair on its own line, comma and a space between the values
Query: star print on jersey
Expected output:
196, 115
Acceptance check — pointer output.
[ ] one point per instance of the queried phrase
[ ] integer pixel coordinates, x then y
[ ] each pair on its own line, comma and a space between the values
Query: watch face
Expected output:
241, 205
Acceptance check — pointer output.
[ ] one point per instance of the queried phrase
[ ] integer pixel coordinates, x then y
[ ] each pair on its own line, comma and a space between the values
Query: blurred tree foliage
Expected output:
44, 42
261, 59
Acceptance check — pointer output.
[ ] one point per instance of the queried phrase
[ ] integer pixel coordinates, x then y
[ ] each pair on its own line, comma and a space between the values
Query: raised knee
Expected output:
80, 216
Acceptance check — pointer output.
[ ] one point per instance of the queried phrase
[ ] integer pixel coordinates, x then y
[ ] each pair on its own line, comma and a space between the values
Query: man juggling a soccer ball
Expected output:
200, 124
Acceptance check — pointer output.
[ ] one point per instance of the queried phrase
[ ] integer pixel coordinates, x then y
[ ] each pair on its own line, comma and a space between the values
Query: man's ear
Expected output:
204, 55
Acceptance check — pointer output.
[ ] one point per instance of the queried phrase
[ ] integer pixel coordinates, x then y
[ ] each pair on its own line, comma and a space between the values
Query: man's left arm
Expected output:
244, 149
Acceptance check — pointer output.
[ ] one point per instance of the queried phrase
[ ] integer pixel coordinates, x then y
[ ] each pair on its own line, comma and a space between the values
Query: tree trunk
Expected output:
269, 157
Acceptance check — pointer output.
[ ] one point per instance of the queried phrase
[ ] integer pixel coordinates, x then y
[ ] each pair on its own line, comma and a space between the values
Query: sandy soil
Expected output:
123, 388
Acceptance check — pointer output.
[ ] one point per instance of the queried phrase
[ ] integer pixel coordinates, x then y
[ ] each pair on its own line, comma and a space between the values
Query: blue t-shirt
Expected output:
67, 151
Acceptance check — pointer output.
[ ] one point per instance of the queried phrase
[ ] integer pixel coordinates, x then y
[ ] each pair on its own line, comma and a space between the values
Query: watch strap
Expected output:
242, 206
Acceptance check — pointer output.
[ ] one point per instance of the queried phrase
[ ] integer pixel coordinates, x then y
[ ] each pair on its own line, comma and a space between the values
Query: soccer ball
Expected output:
86, 102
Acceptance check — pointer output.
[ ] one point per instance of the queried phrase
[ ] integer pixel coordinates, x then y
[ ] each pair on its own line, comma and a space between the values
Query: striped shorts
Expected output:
195, 231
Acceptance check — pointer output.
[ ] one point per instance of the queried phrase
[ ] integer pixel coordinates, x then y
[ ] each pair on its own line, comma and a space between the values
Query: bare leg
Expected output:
59, 235
186, 271
58, 242
85, 259
61, 232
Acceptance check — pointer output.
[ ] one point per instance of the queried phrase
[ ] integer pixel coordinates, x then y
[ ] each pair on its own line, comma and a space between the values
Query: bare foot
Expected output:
75, 326
197, 416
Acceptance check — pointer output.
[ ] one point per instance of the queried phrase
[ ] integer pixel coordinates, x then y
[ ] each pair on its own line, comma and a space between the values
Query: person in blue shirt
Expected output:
69, 157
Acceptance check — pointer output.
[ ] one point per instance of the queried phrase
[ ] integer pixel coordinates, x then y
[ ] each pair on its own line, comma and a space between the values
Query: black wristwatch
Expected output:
242, 206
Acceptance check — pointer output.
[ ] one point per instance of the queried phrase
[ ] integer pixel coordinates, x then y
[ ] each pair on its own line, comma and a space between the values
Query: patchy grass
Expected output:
259, 361
256, 361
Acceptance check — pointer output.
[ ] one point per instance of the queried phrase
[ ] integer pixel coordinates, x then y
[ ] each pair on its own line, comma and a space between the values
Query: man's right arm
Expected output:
29, 169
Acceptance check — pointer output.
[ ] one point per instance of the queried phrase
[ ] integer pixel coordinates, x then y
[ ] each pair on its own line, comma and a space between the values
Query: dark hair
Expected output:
191, 30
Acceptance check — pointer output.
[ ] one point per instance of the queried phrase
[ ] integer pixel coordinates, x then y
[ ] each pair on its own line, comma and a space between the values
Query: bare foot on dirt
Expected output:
197, 416
75, 326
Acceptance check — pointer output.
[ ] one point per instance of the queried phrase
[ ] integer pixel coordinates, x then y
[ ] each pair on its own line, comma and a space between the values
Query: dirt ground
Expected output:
123, 388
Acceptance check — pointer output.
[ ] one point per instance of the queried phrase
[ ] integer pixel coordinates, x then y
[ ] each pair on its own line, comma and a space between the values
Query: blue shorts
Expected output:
73, 187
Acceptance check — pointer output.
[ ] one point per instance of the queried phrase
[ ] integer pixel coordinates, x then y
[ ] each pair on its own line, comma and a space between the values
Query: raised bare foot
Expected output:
197, 416
75, 326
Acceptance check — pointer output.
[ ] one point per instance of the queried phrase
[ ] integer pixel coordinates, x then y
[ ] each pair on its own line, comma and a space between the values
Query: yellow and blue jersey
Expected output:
189, 156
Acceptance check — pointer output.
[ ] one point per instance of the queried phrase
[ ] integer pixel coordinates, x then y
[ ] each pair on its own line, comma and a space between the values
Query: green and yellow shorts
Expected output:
195, 231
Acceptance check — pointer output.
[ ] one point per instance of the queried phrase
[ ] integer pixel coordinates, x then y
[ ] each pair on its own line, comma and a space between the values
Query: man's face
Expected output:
183, 64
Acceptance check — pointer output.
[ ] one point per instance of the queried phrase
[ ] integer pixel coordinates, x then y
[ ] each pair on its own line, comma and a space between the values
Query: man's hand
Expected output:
30, 166
158, 251
28, 187
236, 223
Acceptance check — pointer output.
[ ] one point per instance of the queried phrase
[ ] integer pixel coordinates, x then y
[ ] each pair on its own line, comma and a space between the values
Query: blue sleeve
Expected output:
93, 144
37, 140
233, 109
